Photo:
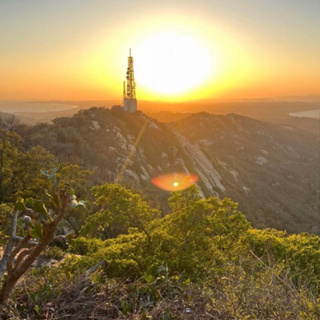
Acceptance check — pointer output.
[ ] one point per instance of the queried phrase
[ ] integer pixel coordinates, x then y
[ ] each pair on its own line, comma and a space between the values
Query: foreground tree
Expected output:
19, 168
199, 234
38, 227
6, 213
116, 210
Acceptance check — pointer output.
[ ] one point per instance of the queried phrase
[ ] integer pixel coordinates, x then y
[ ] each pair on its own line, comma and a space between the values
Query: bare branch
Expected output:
21, 255
3, 264
102, 263
20, 245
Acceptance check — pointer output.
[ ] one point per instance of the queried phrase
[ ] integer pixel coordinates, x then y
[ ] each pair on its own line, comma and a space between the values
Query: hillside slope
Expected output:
271, 170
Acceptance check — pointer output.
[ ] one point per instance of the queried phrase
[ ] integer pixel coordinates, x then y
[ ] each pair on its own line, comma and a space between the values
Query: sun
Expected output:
171, 63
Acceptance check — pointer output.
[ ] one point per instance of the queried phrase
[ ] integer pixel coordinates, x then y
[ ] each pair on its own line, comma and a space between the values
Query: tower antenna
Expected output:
129, 90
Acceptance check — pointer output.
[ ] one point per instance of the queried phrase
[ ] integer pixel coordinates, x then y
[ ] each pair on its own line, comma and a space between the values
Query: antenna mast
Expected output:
129, 91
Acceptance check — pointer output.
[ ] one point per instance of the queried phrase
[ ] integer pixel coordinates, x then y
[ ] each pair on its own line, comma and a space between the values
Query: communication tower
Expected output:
129, 91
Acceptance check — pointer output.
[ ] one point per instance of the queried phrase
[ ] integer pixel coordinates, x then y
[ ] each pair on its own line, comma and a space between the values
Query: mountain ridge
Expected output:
268, 168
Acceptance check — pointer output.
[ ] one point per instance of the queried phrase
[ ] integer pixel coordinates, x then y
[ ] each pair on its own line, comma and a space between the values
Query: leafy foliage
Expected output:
204, 254
5, 221
117, 209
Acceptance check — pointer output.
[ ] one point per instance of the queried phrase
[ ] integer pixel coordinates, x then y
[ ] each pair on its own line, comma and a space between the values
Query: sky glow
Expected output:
233, 49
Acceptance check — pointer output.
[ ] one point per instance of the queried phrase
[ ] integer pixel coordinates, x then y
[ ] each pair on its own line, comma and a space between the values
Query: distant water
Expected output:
314, 114
21, 106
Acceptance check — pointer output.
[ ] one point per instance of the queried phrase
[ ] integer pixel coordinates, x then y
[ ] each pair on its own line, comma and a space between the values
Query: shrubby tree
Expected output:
76, 177
9, 122
116, 210
299, 254
204, 244
185, 199
197, 231
38, 226
9, 153
198, 235
27, 179
20, 174
6, 213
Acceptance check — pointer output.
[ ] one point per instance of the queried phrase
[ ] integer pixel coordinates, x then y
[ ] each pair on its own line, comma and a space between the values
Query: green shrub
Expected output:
117, 210
54, 253
85, 246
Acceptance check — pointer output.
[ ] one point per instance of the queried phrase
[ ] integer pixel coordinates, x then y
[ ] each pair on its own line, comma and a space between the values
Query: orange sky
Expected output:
183, 50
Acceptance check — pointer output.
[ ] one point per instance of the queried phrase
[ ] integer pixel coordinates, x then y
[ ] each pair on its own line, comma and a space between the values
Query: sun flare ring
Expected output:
175, 181
171, 63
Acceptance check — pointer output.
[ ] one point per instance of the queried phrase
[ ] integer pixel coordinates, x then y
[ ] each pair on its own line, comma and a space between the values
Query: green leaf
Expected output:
33, 296
43, 216
40, 207
20, 222
71, 193
19, 205
30, 202
32, 233
56, 201
38, 230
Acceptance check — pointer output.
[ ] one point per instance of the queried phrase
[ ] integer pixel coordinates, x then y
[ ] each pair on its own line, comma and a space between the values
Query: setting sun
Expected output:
171, 63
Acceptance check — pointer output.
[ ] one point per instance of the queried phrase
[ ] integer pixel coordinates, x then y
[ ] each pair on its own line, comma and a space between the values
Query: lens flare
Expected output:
175, 181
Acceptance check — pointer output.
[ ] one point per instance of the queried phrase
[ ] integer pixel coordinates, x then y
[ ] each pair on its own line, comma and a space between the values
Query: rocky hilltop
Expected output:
271, 170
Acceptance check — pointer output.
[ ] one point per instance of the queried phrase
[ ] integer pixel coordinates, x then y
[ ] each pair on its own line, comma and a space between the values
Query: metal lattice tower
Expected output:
129, 91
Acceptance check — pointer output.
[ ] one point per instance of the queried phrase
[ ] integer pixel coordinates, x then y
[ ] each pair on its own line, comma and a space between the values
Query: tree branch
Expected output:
15, 251
21, 255
7, 252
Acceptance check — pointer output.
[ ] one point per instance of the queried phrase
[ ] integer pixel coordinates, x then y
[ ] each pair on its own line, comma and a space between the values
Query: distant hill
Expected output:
264, 109
272, 170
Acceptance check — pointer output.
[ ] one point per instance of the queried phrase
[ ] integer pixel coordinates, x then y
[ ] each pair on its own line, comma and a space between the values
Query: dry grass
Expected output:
82, 299
232, 298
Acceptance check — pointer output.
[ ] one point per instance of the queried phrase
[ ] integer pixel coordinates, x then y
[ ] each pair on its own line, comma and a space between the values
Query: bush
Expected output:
54, 253
85, 246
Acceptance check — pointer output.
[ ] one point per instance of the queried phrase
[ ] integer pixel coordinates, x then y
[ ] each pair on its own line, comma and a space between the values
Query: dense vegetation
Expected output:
128, 260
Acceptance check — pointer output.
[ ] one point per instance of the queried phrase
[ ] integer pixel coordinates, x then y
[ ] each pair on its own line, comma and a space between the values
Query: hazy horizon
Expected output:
300, 98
